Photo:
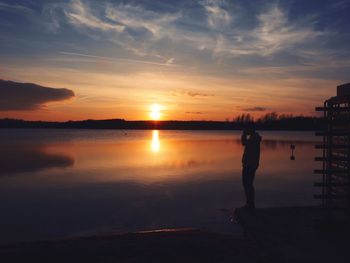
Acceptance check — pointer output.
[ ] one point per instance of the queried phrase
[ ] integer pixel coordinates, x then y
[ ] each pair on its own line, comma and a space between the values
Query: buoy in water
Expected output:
292, 147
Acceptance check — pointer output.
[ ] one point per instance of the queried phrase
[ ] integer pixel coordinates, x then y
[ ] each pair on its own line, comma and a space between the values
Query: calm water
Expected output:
56, 183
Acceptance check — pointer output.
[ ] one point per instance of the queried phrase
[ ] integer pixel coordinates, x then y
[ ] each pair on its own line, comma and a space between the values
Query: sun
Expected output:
155, 112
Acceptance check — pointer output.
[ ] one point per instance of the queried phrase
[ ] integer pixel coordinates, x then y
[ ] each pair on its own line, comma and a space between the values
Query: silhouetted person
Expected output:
250, 161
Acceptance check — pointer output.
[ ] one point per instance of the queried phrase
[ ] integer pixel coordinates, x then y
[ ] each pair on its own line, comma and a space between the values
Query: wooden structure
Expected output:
335, 172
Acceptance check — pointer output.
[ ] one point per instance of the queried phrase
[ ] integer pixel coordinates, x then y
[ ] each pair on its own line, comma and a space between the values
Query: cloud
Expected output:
132, 27
15, 7
194, 112
28, 96
47, 20
341, 4
255, 109
137, 17
119, 18
216, 37
192, 93
199, 94
159, 33
217, 15
80, 15
275, 32
168, 63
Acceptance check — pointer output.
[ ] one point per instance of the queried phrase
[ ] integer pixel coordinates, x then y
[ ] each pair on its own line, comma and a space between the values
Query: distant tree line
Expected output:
269, 121
268, 117
275, 121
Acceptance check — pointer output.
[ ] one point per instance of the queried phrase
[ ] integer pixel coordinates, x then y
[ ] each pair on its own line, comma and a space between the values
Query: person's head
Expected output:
249, 128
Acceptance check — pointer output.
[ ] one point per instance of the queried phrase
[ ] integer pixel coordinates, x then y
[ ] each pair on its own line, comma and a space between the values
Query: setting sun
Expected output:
155, 112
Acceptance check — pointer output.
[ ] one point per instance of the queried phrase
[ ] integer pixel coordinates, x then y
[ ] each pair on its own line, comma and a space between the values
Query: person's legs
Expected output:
248, 175
245, 179
251, 191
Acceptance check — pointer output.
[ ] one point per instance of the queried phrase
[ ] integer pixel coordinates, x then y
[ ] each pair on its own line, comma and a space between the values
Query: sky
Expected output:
196, 60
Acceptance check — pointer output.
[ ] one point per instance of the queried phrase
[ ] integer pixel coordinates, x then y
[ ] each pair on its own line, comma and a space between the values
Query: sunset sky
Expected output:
192, 60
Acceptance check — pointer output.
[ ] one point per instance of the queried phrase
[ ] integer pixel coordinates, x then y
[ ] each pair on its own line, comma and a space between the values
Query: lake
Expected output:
58, 183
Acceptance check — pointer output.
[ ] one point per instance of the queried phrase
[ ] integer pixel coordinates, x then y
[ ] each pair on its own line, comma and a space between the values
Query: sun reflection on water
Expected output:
155, 144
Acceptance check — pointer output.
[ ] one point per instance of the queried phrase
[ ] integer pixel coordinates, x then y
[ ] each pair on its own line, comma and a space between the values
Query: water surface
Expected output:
56, 183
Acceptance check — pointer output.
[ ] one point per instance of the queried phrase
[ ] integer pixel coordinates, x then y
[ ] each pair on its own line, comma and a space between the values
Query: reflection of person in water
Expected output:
250, 161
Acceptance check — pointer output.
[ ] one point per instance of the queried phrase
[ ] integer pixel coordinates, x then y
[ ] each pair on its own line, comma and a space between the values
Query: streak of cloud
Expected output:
194, 112
168, 63
255, 109
199, 94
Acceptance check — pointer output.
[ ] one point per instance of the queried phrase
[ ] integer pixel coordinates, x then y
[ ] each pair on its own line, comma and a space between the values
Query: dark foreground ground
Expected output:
182, 245
287, 234
298, 234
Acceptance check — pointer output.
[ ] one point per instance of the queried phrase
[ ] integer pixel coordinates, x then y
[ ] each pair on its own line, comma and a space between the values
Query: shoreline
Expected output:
296, 123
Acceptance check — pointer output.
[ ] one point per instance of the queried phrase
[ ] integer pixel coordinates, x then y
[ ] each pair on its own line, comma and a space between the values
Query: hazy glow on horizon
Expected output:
121, 57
